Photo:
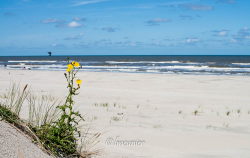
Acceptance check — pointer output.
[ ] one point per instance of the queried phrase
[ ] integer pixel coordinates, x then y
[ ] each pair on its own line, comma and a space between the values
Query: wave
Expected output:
146, 62
32, 61
180, 67
177, 67
241, 64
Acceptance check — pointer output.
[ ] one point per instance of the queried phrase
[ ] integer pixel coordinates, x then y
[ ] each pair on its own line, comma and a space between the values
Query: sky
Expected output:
124, 27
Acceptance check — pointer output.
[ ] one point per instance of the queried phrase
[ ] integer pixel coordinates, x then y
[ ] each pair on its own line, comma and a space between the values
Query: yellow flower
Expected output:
68, 70
78, 81
70, 67
76, 64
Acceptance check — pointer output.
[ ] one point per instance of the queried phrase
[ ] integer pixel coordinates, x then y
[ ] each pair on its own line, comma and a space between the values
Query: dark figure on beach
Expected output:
49, 53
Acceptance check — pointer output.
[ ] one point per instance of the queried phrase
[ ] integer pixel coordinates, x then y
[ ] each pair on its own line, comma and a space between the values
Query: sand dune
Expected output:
14, 144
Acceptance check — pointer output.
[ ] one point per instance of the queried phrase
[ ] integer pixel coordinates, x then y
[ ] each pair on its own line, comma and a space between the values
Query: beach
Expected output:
125, 79
146, 115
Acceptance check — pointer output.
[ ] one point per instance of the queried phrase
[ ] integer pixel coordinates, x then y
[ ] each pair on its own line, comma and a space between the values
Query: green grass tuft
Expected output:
8, 115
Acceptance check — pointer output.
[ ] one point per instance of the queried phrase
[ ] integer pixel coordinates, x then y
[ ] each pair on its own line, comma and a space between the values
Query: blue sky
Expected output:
117, 27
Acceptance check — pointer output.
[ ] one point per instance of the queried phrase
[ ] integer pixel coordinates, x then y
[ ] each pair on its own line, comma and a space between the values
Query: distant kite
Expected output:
49, 53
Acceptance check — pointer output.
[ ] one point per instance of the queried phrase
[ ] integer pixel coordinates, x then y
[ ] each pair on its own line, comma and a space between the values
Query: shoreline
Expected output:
158, 73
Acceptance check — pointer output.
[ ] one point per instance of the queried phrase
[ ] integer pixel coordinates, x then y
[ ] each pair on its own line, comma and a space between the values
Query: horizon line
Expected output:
127, 55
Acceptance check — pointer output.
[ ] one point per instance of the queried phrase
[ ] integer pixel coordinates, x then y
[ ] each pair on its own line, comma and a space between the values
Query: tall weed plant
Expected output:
62, 135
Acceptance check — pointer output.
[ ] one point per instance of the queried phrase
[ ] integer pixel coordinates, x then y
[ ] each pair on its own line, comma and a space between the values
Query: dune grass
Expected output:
7, 115
14, 98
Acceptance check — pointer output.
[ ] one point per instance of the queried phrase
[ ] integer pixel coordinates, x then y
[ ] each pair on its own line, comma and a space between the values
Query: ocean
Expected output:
181, 64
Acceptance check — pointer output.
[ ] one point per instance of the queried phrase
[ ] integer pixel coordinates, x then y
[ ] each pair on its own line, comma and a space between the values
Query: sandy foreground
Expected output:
155, 115
14, 144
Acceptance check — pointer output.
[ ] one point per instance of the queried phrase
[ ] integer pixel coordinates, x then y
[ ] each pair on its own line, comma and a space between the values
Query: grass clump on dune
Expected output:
8, 115
52, 125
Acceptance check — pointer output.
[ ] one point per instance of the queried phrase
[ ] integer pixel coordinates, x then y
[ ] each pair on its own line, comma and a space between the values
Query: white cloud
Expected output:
242, 35
57, 45
87, 2
61, 23
74, 24
192, 40
221, 33
233, 41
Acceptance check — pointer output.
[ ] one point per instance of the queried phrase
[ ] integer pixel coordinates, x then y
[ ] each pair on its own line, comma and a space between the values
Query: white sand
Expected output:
158, 110
14, 144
